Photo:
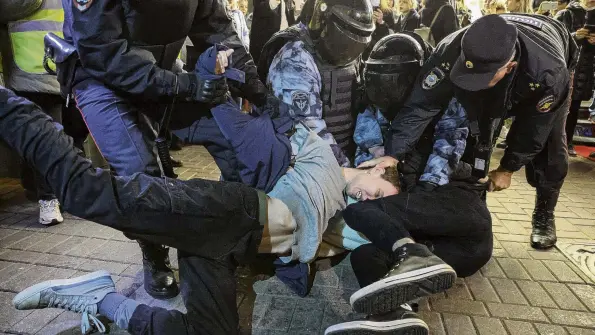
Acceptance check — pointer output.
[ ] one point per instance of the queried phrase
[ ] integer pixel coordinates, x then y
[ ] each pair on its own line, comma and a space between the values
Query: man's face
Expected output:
404, 6
369, 185
243, 6
502, 73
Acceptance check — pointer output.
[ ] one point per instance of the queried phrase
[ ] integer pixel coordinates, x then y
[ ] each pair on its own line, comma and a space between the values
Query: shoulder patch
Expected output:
524, 19
432, 79
301, 102
82, 5
545, 104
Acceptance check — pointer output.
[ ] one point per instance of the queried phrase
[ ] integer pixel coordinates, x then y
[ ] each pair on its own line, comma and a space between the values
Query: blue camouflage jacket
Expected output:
450, 139
294, 78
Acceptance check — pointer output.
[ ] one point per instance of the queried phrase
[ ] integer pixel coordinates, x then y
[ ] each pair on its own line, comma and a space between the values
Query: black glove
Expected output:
211, 91
255, 91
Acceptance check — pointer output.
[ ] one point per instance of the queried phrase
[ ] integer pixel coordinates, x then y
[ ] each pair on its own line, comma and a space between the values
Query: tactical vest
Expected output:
25, 72
339, 84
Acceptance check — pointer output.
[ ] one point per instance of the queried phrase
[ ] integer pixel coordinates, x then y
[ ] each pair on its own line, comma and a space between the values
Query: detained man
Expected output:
216, 224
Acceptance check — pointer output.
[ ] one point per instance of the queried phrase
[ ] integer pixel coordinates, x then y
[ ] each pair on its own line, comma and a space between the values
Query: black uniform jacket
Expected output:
131, 45
546, 55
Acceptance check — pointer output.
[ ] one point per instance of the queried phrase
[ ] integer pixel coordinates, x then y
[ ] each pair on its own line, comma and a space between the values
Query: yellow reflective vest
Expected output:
25, 72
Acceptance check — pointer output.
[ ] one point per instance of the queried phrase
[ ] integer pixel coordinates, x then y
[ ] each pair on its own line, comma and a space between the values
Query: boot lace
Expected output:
541, 220
401, 254
79, 304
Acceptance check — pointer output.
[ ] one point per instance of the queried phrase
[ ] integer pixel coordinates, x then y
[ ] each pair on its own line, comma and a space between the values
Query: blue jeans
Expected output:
122, 133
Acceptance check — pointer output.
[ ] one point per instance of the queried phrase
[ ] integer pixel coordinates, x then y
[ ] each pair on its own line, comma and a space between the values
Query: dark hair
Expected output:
391, 174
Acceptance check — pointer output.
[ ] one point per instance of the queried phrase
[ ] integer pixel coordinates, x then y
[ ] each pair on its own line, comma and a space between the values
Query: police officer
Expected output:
22, 27
527, 74
413, 244
314, 69
126, 51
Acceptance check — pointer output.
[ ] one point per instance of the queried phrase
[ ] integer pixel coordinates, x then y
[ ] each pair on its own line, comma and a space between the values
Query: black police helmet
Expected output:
343, 29
391, 69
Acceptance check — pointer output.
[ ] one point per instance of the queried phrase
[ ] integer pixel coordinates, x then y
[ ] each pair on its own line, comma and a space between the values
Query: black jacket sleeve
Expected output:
106, 56
212, 26
535, 118
13, 10
445, 24
422, 106
565, 17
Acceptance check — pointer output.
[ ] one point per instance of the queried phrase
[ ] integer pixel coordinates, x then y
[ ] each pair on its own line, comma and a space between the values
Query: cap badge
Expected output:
469, 64
545, 105
82, 5
432, 79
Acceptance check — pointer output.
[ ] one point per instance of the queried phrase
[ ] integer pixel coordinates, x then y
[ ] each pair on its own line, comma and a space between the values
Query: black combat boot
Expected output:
543, 235
400, 322
160, 282
416, 273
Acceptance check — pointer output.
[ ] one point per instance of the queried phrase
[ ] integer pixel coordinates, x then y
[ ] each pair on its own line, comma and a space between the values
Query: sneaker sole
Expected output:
396, 327
37, 288
389, 293
47, 223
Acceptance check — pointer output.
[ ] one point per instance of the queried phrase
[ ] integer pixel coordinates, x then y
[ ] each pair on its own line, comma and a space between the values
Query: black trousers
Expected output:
549, 168
572, 120
452, 219
214, 225
31, 181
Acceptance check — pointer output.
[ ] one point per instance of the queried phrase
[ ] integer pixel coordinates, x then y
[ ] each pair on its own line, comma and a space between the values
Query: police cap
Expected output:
487, 45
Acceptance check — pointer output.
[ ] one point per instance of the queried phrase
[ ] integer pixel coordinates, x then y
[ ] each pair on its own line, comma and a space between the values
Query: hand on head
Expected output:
381, 179
381, 162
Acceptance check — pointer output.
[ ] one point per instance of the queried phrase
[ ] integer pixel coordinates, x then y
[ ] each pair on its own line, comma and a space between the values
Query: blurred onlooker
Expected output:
496, 7
269, 16
440, 17
574, 17
519, 6
463, 14
408, 19
237, 12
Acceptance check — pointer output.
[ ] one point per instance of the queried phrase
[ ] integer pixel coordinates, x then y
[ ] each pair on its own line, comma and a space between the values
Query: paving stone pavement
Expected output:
520, 291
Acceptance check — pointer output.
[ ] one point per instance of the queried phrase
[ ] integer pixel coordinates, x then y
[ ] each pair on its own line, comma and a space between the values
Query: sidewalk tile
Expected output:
489, 326
571, 318
516, 312
563, 296
563, 272
508, 291
520, 327
512, 268
481, 288
458, 324
536, 295
586, 293
537, 270
459, 306
545, 329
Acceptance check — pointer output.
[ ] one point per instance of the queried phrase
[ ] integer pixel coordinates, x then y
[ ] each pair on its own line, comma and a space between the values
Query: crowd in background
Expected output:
436, 19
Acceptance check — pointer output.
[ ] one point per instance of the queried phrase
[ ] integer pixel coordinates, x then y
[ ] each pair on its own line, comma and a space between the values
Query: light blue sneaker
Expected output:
81, 295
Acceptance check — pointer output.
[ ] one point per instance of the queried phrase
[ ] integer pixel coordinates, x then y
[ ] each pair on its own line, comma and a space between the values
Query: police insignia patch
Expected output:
301, 102
433, 78
82, 5
545, 105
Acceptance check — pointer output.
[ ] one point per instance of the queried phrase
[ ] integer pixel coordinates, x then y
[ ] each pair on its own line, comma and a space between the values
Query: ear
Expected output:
377, 171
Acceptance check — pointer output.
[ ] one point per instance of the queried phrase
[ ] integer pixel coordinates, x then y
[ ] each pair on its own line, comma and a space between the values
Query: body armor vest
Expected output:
339, 85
